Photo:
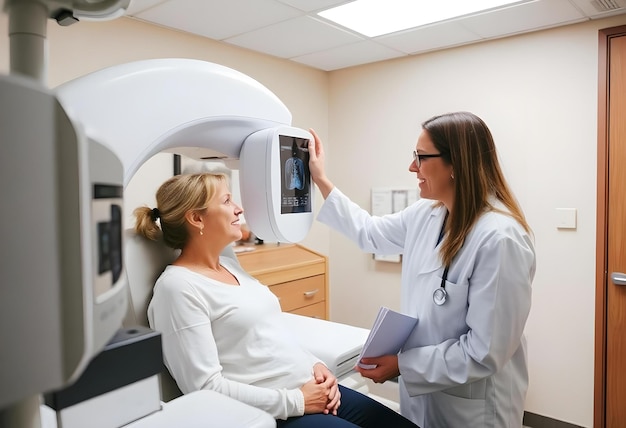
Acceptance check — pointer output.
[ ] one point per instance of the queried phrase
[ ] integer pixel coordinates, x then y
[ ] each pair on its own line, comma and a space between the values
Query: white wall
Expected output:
537, 92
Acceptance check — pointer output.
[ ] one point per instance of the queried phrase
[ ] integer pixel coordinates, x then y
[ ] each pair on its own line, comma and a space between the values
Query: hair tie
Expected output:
155, 214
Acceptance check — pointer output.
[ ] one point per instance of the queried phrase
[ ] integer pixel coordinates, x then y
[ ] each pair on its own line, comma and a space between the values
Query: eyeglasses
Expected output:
418, 157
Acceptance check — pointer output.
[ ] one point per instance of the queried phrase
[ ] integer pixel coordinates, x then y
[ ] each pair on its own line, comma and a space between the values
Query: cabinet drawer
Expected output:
317, 310
273, 265
303, 292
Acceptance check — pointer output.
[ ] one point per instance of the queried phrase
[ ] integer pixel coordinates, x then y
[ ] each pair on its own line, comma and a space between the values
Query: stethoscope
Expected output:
440, 295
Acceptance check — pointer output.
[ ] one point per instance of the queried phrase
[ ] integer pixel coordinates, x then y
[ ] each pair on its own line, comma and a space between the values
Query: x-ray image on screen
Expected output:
296, 183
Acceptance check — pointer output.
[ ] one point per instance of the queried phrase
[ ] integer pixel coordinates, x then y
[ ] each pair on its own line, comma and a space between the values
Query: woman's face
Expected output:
222, 215
434, 175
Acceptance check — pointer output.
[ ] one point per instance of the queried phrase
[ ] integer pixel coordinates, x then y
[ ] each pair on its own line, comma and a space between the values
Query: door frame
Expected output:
599, 406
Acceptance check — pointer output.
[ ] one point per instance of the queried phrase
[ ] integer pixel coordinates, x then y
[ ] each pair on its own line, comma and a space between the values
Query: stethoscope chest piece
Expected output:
440, 296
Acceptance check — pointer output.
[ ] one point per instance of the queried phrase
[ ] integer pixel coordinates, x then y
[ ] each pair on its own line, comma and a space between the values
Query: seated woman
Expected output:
223, 330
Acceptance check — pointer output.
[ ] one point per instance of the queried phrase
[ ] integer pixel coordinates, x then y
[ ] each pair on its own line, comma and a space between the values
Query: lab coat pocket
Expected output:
457, 294
473, 390
453, 411
450, 316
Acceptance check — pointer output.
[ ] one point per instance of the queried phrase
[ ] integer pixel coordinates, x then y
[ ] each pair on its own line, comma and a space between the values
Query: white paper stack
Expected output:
390, 331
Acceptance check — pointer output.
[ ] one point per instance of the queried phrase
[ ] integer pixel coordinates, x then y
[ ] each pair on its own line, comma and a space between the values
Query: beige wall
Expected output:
537, 92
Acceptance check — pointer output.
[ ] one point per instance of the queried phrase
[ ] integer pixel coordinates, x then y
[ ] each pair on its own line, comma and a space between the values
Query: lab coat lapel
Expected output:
430, 249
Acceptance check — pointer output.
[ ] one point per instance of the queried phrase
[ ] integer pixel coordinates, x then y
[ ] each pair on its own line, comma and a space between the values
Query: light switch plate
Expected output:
566, 218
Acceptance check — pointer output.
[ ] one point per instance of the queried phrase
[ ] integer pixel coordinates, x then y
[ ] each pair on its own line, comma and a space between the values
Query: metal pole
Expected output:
28, 20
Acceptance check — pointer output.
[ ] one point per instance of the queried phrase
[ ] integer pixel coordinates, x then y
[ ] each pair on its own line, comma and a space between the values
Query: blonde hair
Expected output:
466, 143
175, 198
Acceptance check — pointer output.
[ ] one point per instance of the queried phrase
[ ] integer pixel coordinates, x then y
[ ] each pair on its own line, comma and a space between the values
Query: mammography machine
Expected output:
67, 155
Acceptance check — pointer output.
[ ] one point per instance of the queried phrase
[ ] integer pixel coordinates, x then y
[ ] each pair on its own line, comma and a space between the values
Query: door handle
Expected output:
618, 278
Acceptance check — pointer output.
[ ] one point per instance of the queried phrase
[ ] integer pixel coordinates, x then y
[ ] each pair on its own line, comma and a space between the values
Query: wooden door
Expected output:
610, 390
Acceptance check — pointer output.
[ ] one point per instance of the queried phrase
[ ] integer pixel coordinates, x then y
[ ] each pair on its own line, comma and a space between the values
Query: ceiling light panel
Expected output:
377, 17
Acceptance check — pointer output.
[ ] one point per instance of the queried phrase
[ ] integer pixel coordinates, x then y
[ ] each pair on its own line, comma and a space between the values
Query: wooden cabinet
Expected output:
297, 275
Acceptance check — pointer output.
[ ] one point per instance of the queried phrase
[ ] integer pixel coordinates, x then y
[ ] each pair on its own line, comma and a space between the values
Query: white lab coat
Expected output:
464, 364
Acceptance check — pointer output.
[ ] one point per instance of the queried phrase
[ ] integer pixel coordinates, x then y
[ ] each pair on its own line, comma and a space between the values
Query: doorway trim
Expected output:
602, 224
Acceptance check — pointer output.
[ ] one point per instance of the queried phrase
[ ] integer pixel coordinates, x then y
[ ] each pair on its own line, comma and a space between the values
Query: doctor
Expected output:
468, 265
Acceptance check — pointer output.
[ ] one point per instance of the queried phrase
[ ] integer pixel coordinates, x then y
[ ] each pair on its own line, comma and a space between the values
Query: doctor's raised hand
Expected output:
467, 268
223, 330
316, 165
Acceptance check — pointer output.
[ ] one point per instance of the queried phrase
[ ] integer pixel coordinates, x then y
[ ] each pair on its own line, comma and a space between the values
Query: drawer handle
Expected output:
311, 293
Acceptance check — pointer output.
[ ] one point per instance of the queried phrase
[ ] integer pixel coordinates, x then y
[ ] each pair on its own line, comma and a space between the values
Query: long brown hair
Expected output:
175, 197
466, 143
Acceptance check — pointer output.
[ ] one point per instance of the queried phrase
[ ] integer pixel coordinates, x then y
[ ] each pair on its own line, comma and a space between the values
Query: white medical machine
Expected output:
65, 158
204, 111
63, 290
279, 157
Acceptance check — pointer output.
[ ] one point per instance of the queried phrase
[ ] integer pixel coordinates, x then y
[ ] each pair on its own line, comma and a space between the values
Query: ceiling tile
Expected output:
600, 9
349, 55
314, 5
137, 6
218, 19
429, 38
295, 37
524, 17
291, 28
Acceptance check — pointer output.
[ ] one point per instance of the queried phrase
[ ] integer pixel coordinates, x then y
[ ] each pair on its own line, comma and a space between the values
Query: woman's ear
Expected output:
194, 219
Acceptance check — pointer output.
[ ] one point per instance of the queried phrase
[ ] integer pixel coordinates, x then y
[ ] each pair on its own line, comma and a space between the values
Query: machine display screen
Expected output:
295, 178
110, 244
108, 239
